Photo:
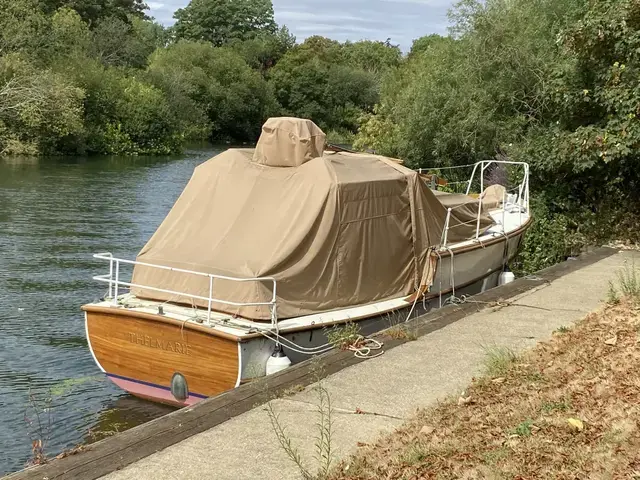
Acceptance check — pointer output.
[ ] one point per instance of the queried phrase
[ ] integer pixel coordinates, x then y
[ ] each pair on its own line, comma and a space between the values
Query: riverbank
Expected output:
231, 436
566, 409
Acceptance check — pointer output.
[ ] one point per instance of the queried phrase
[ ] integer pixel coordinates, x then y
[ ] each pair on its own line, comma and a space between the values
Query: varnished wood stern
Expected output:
141, 353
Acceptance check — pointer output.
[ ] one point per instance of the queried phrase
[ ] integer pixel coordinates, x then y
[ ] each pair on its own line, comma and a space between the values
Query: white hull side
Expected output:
475, 270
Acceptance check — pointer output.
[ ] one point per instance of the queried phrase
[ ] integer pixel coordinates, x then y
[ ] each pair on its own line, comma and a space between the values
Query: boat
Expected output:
268, 251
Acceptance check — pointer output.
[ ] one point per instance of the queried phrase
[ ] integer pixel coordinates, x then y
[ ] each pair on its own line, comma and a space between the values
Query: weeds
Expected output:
415, 454
612, 294
323, 444
498, 360
562, 329
401, 332
561, 406
398, 329
285, 442
39, 421
523, 429
494, 456
629, 282
292, 390
344, 336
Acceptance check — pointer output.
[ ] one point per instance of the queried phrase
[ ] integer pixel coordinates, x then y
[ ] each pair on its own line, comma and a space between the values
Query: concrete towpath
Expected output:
388, 389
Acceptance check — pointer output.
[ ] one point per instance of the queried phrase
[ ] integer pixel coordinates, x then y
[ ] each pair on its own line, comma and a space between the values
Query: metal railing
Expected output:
114, 281
521, 200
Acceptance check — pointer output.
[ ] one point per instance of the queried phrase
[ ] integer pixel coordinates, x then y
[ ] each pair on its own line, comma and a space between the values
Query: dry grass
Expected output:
568, 409
402, 332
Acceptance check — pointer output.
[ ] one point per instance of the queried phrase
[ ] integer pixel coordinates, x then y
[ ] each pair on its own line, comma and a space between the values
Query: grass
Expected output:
567, 409
402, 332
498, 360
629, 282
556, 406
523, 429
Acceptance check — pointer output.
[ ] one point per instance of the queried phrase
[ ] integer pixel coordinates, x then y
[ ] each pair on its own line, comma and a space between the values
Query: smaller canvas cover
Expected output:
335, 230
464, 206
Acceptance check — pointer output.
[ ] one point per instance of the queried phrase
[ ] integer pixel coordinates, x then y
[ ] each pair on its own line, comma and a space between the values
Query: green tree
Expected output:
126, 43
217, 81
39, 109
221, 21
314, 80
23, 26
424, 44
95, 10
264, 50
372, 56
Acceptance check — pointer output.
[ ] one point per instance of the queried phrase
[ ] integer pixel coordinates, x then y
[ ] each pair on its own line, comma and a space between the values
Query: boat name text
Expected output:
167, 345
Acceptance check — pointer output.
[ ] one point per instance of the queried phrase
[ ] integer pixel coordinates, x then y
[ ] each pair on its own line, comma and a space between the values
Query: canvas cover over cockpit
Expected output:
334, 229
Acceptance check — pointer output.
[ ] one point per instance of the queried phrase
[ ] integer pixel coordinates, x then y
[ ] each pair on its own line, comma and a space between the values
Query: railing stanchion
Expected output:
504, 209
274, 307
210, 299
479, 213
446, 228
115, 287
111, 277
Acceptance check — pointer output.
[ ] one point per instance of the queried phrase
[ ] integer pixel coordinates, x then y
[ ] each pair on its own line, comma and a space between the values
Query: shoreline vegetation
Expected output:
549, 82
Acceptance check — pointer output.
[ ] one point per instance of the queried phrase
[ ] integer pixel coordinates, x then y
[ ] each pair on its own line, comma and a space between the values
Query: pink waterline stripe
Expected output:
155, 393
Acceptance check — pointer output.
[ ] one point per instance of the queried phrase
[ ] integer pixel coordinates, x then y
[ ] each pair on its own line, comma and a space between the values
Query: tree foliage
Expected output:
95, 10
234, 98
121, 83
332, 83
550, 82
221, 21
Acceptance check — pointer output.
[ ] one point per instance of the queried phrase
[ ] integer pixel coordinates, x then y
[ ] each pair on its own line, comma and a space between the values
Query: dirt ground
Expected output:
569, 409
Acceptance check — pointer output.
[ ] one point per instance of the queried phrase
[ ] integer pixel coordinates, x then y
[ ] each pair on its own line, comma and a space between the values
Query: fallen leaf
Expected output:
611, 341
427, 430
464, 400
498, 380
575, 423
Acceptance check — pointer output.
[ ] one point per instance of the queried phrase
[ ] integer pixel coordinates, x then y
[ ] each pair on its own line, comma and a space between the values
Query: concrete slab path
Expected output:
388, 388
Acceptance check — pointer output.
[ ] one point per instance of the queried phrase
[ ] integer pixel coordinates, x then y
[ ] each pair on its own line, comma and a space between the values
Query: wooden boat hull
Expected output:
141, 353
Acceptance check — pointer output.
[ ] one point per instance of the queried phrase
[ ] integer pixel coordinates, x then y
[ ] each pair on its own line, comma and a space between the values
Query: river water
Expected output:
54, 214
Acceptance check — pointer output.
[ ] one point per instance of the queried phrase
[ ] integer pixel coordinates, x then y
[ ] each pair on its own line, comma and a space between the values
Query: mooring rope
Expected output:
364, 346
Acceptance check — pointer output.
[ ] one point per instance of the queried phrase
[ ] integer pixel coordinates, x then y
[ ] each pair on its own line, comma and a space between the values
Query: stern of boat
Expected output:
159, 358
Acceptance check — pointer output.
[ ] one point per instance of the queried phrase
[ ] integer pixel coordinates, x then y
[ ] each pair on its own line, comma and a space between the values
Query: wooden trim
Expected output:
160, 319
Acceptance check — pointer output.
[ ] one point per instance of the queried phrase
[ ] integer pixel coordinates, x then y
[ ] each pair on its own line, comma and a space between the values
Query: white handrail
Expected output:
523, 192
114, 283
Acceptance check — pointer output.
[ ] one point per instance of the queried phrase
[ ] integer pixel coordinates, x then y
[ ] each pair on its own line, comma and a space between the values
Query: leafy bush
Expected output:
217, 81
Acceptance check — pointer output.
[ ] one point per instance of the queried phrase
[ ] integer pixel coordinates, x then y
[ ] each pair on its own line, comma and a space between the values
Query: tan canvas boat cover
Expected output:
335, 231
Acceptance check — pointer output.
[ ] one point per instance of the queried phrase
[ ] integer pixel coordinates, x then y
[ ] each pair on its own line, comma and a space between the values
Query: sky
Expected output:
401, 20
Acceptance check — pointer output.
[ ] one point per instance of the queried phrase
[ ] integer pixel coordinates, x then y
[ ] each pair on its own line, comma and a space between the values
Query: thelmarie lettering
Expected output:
147, 341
